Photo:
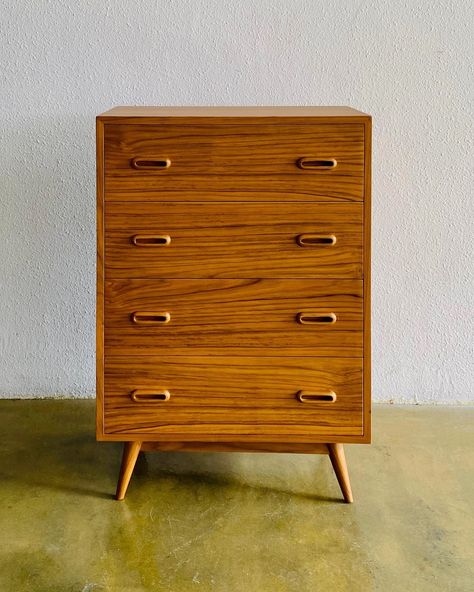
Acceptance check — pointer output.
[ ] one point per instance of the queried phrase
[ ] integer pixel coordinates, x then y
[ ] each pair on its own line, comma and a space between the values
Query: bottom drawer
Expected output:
232, 398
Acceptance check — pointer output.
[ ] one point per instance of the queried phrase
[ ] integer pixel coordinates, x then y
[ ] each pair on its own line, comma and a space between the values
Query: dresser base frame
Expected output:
131, 451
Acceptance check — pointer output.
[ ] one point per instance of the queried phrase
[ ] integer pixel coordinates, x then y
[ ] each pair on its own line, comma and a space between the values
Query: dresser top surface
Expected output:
230, 112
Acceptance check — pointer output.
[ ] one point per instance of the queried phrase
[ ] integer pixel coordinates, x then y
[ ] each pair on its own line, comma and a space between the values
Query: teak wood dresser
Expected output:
233, 280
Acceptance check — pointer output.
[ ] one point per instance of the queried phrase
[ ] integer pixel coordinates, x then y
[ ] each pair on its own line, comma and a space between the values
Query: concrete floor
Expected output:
235, 522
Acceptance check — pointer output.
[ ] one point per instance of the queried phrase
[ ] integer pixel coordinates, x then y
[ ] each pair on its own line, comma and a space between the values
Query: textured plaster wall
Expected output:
407, 63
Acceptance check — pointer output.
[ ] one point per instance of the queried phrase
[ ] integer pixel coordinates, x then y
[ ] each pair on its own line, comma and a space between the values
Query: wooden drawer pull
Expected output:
316, 240
151, 318
151, 240
316, 318
150, 396
308, 397
151, 163
317, 164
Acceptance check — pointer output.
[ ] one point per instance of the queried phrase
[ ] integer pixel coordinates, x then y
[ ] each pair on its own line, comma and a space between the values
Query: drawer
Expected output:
295, 162
299, 317
228, 240
241, 398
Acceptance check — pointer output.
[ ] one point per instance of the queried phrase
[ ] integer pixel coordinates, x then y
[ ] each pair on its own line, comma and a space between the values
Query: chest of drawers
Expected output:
233, 280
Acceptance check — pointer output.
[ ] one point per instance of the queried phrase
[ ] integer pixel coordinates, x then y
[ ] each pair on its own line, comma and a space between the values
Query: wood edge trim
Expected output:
100, 278
193, 120
360, 438
366, 377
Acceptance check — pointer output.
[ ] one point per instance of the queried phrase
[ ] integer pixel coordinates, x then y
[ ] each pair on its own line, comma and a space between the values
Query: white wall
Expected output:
406, 63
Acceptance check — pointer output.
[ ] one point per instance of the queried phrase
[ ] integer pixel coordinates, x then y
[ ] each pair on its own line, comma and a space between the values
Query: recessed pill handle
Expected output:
316, 318
151, 240
316, 397
316, 164
150, 318
150, 395
316, 240
141, 163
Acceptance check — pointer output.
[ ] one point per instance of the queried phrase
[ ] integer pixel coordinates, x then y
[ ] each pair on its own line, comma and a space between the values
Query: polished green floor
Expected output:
235, 522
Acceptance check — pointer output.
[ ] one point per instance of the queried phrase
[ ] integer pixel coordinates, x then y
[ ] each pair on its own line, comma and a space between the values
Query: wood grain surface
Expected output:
256, 314
219, 397
236, 157
176, 446
233, 240
233, 201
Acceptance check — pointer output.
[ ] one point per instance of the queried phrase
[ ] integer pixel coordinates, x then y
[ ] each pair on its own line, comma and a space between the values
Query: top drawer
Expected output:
293, 162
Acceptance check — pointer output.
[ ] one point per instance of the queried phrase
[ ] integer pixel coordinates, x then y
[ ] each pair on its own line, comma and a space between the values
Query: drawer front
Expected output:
299, 161
237, 398
300, 317
244, 240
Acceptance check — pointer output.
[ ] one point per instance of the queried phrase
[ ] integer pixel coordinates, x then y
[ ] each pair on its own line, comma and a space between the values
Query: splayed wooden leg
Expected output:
129, 458
338, 460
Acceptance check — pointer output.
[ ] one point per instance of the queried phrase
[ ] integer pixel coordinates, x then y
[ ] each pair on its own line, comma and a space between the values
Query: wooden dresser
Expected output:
233, 280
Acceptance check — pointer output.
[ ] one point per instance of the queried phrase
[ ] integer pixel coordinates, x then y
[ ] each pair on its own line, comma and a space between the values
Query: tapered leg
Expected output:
129, 458
338, 460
